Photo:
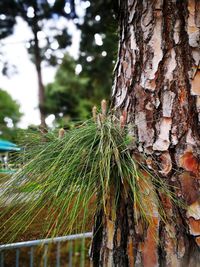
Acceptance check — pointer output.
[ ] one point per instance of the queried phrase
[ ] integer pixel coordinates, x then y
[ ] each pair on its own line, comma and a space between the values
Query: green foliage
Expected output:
9, 114
99, 19
71, 178
71, 95
8, 20
37, 14
41, 16
66, 96
7, 23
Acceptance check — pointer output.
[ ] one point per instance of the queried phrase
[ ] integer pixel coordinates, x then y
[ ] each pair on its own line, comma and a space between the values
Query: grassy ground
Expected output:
35, 232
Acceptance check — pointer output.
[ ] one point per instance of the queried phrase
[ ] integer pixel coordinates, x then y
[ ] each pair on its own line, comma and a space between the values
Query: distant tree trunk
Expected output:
157, 82
41, 92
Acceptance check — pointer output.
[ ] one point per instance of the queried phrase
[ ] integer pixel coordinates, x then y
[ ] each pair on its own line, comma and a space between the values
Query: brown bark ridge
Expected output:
157, 82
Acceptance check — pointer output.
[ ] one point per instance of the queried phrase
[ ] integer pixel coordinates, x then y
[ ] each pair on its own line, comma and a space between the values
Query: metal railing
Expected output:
44, 243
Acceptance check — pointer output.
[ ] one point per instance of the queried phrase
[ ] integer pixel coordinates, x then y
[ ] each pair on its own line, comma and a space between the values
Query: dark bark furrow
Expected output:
157, 82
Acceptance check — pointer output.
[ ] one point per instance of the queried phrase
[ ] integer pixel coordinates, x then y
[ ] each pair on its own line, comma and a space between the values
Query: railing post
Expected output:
82, 263
45, 254
58, 255
2, 258
44, 242
17, 258
70, 253
31, 256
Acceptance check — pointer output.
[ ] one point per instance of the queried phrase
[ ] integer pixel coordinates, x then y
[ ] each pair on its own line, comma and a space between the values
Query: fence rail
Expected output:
44, 243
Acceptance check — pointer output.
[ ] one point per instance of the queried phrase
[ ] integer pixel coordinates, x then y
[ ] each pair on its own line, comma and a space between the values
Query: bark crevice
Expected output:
157, 84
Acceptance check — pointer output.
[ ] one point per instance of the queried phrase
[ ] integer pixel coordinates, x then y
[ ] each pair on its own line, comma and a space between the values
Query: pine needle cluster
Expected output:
63, 175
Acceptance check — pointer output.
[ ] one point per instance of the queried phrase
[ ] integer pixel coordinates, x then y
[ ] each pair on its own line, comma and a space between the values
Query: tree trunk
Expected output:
41, 91
157, 82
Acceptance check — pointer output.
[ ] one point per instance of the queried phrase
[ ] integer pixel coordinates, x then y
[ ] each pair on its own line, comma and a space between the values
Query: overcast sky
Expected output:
23, 85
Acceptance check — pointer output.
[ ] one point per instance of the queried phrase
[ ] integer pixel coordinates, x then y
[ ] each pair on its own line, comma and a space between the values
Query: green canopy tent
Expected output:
5, 148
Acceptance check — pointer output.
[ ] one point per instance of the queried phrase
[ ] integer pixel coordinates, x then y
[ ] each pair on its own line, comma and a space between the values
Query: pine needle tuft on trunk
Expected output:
70, 175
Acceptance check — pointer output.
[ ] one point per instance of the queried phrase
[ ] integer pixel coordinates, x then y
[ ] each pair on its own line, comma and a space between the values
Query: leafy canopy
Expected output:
42, 17
72, 96
98, 48
9, 116
66, 96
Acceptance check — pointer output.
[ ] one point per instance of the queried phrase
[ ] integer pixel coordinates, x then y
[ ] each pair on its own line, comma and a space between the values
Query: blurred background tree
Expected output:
83, 83
79, 84
41, 17
7, 18
7, 23
66, 97
98, 48
9, 116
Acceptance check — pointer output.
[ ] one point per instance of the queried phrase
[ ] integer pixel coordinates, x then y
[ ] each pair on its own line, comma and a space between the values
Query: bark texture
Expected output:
157, 82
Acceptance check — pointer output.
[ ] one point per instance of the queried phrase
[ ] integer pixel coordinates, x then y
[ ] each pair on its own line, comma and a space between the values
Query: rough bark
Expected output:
157, 82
